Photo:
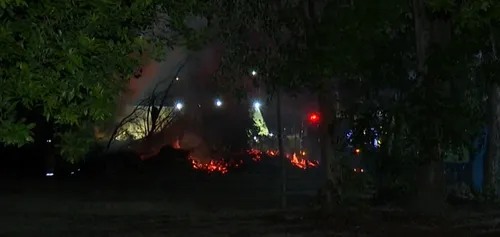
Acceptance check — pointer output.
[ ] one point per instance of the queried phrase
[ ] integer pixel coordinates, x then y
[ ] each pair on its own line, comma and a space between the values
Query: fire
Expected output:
213, 166
177, 144
256, 154
297, 160
272, 153
302, 163
222, 166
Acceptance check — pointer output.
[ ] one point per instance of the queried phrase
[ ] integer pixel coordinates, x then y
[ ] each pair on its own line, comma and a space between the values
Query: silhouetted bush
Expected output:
168, 161
112, 165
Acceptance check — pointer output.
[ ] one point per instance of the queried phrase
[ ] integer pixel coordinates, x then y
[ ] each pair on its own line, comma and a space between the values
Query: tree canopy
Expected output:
69, 60
419, 68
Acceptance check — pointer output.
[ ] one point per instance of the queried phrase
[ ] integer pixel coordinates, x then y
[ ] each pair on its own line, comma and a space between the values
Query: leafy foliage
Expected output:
367, 51
71, 59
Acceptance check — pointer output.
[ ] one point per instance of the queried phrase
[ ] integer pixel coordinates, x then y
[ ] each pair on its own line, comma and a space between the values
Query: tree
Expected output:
149, 117
69, 60
448, 91
294, 47
411, 67
481, 17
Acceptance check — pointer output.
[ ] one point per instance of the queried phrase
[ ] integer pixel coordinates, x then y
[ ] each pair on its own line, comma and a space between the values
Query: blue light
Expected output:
349, 134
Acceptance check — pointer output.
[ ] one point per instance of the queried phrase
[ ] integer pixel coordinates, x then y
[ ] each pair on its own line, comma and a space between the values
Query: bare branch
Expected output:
145, 115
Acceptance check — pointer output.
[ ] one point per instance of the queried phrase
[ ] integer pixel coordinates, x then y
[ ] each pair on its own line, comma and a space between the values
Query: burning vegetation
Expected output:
214, 166
223, 166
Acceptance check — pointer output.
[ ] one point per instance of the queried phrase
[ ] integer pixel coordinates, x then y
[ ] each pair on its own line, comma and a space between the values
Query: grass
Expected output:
200, 205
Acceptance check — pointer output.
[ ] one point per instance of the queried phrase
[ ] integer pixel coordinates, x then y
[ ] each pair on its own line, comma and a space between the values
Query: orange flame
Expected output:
256, 154
272, 153
302, 163
298, 161
212, 166
221, 166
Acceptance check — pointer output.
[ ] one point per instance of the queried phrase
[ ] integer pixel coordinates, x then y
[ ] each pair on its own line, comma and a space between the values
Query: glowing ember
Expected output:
298, 161
272, 153
222, 166
256, 154
302, 163
213, 166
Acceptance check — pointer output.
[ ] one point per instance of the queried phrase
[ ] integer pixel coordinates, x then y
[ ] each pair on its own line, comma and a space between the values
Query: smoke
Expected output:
193, 70
195, 77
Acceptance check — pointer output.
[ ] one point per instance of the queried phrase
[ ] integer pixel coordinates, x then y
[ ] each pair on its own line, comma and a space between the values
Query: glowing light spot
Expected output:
218, 103
314, 118
257, 105
179, 106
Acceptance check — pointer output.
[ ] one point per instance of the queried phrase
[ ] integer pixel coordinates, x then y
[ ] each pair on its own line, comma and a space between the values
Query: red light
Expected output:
314, 118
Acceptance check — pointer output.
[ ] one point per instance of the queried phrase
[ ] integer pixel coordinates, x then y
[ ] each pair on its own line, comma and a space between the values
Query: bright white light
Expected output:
218, 103
49, 174
254, 73
49, 141
271, 134
179, 105
176, 78
257, 105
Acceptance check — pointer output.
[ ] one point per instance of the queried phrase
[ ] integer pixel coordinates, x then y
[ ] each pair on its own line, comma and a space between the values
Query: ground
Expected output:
52, 208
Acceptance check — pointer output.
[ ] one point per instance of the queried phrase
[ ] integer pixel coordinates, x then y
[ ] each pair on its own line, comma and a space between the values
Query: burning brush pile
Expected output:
256, 156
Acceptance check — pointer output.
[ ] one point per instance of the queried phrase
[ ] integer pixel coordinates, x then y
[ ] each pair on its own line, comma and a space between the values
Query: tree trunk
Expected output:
331, 187
431, 195
421, 37
392, 136
493, 152
493, 147
430, 178
281, 152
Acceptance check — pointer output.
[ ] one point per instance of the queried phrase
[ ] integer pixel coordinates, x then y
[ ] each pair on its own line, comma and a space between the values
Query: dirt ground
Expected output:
70, 209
